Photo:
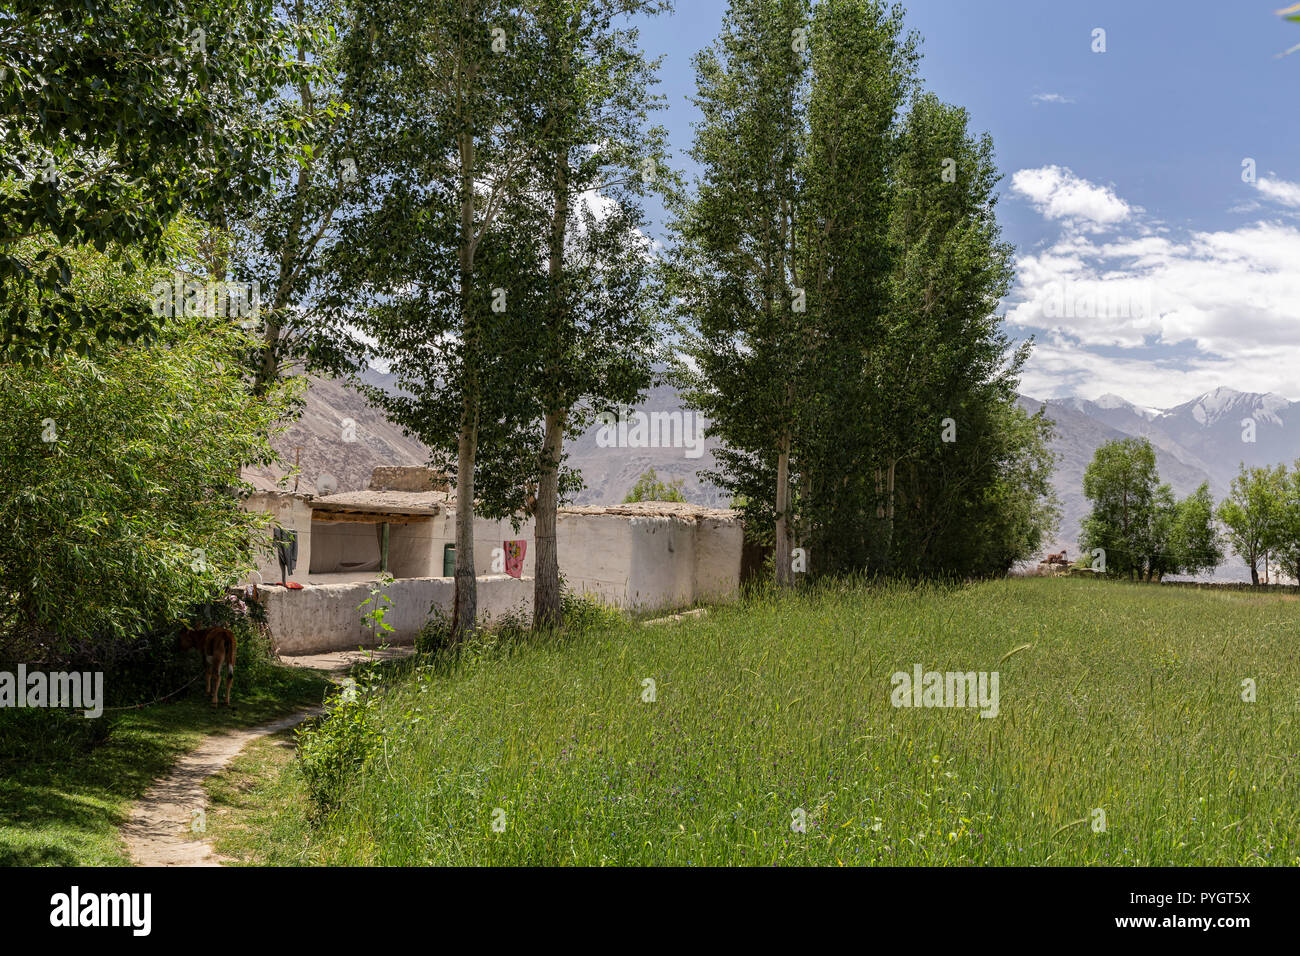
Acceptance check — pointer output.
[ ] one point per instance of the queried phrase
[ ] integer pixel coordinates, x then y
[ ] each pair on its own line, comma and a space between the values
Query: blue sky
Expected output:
1147, 266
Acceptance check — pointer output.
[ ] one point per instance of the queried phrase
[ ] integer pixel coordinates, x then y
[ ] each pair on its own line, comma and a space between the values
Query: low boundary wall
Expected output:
327, 617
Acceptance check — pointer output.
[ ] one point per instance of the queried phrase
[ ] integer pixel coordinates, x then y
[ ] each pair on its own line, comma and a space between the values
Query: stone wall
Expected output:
406, 478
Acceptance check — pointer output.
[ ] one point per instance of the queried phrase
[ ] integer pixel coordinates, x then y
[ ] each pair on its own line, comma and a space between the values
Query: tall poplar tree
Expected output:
594, 331
280, 241
944, 374
735, 269
445, 123
838, 273
863, 67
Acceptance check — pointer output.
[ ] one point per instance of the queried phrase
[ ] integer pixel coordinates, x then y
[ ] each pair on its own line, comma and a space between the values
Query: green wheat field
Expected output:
1128, 701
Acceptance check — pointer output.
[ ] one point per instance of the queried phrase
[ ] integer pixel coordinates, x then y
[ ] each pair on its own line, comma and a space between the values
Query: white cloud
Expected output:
1061, 368
1058, 194
1280, 190
1050, 98
1157, 318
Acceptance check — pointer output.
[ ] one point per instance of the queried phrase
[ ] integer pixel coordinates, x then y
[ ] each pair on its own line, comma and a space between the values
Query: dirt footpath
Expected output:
161, 828
158, 831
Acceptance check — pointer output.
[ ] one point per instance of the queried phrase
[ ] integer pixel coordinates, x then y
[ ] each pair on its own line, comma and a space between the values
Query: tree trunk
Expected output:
268, 369
269, 366
802, 532
465, 615
1254, 573
466, 609
548, 606
781, 545
889, 515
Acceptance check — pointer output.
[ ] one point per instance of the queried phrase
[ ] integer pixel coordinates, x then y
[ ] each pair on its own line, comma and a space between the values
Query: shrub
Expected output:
333, 748
586, 612
120, 497
435, 634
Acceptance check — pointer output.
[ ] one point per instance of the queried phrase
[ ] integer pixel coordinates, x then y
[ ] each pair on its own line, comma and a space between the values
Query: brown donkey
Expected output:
217, 645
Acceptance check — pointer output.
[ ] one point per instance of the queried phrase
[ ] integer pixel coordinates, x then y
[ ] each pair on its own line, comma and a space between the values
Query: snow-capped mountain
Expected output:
1213, 407
1215, 432
1226, 428
1110, 402
1112, 410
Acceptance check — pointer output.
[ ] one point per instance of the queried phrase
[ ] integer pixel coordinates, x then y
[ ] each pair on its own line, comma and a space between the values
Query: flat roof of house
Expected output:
384, 502
268, 486
435, 502
652, 509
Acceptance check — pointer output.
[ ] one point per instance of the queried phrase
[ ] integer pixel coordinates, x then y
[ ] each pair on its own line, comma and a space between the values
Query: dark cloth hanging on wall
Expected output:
286, 551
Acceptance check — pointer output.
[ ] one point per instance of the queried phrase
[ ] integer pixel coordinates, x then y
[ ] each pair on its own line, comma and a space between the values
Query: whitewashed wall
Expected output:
487, 535
291, 512
650, 561
327, 617
718, 546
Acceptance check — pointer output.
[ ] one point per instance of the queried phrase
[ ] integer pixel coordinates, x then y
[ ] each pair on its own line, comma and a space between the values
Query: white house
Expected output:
648, 555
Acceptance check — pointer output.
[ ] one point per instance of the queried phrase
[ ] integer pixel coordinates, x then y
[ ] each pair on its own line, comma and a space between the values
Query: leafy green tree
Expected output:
1144, 531
120, 479
839, 293
115, 117
445, 103
1287, 545
650, 487
942, 373
734, 266
863, 66
1121, 482
593, 332
1159, 557
1194, 541
981, 504
1253, 514
281, 238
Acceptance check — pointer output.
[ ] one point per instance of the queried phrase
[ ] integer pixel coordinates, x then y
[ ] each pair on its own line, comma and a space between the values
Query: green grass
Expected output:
258, 797
66, 784
1129, 701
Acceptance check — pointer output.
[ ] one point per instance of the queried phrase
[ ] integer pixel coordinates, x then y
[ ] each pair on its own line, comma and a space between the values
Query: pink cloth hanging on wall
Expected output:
515, 557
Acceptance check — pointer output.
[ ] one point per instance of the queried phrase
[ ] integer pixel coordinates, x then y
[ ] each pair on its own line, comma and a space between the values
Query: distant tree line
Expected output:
1139, 530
